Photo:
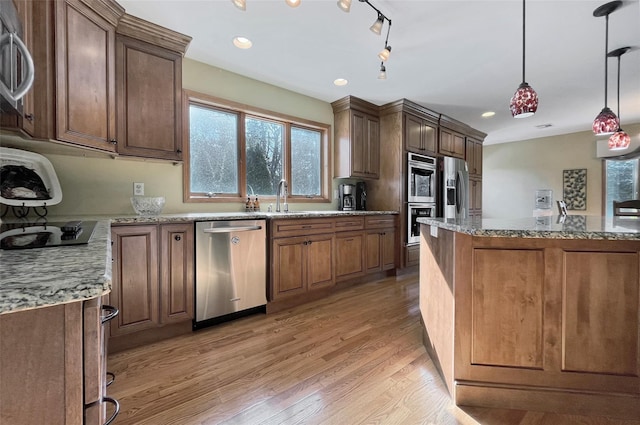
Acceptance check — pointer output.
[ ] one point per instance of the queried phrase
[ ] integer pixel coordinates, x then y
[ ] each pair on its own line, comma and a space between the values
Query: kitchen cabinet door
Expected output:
419, 135
357, 139
475, 196
135, 278
349, 255
149, 89
288, 267
452, 143
85, 75
176, 272
319, 259
380, 250
474, 157
365, 145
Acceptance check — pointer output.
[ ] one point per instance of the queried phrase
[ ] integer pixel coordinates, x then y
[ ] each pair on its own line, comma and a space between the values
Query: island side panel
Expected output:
437, 305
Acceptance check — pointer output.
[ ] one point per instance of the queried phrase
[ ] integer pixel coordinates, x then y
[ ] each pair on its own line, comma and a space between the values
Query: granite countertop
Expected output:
31, 278
549, 227
167, 218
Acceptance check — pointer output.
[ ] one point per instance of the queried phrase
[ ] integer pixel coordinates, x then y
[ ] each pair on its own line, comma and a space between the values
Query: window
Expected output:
622, 182
234, 152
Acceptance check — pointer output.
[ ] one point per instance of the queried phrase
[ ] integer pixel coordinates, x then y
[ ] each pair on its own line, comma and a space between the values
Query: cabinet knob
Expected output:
178, 150
113, 141
177, 237
29, 117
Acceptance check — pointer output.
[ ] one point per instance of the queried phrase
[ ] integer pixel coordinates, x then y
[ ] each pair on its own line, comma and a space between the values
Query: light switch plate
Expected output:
434, 231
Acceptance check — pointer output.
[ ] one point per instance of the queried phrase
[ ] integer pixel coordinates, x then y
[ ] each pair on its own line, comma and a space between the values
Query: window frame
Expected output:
243, 111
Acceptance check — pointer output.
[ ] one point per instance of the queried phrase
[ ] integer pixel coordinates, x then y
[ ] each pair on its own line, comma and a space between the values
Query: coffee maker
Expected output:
346, 201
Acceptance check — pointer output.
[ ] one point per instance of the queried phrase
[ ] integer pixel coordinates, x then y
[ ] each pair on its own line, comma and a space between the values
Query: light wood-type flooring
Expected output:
355, 357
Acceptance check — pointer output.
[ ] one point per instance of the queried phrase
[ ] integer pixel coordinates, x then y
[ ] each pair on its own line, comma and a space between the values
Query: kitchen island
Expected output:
539, 313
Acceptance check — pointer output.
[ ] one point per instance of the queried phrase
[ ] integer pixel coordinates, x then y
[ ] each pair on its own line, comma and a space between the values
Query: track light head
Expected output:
384, 53
344, 5
376, 28
383, 72
240, 4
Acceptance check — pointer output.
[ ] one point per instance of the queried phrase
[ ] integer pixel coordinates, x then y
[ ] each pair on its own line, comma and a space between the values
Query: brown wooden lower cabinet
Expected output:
152, 277
534, 324
301, 264
308, 254
53, 365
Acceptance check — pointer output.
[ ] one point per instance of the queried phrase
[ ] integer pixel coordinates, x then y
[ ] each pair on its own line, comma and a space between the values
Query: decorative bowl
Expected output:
147, 205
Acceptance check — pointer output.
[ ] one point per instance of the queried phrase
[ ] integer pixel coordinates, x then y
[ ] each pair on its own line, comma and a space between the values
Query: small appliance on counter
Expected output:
361, 196
347, 201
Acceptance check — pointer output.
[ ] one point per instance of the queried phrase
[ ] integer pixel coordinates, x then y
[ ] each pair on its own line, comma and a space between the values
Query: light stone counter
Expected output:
548, 227
43, 277
31, 278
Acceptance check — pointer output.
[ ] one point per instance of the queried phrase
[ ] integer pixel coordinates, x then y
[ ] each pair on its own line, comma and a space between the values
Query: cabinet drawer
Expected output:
300, 227
349, 223
376, 222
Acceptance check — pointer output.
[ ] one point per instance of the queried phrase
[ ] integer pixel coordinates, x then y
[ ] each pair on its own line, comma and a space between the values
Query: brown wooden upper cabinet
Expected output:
149, 89
73, 96
87, 55
356, 138
451, 143
474, 156
419, 134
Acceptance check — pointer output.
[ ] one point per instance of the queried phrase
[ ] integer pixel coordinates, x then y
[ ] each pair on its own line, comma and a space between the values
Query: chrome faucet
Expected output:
282, 185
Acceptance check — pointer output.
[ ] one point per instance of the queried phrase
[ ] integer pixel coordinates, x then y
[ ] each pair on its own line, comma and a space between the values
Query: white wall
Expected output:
512, 172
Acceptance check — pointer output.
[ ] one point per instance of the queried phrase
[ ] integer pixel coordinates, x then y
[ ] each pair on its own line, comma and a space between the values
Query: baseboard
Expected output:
572, 402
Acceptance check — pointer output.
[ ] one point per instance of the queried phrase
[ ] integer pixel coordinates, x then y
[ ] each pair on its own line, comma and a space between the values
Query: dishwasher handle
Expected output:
232, 229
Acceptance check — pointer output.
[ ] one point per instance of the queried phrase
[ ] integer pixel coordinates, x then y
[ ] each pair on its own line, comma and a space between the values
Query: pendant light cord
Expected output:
606, 58
523, 37
619, 91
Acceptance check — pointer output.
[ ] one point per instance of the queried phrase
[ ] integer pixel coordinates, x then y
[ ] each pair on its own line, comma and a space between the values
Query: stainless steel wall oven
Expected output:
415, 211
421, 178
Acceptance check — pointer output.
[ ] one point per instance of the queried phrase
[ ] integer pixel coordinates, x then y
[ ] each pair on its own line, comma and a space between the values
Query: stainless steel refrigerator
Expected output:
455, 188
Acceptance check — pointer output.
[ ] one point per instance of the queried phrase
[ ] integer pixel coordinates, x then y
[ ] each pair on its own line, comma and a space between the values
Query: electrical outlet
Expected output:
138, 189
335, 194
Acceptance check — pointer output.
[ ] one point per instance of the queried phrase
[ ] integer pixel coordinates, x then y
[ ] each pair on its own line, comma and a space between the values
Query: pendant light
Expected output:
620, 139
524, 102
606, 122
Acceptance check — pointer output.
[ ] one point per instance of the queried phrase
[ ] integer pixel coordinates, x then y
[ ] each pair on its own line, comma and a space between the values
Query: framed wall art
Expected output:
574, 186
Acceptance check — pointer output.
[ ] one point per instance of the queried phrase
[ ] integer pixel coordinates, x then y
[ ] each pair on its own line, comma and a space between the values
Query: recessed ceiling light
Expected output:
242, 42
488, 114
544, 125
340, 82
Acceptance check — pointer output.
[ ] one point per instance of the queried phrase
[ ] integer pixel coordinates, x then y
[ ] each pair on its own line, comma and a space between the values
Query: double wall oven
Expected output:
422, 189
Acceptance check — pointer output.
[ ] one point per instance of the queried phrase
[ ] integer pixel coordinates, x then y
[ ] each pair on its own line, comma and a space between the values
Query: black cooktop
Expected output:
43, 234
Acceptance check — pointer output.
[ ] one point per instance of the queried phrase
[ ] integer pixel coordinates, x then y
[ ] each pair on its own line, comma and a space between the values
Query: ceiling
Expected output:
460, 58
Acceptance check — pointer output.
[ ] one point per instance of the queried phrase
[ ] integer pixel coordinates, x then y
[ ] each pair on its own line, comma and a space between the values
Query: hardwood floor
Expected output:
355, 357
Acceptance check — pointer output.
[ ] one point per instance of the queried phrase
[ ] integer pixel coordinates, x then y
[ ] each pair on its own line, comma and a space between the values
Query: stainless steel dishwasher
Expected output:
231, 272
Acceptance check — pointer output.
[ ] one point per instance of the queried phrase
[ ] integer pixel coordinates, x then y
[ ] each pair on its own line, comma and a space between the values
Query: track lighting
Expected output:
344, 5
606, 122
524, 102
240, 4
376, 28
620, 139
383, 72
384, 53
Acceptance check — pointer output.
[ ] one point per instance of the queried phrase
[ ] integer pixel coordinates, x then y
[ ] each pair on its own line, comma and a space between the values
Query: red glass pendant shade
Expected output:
524, 102
606, 122
619, 140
